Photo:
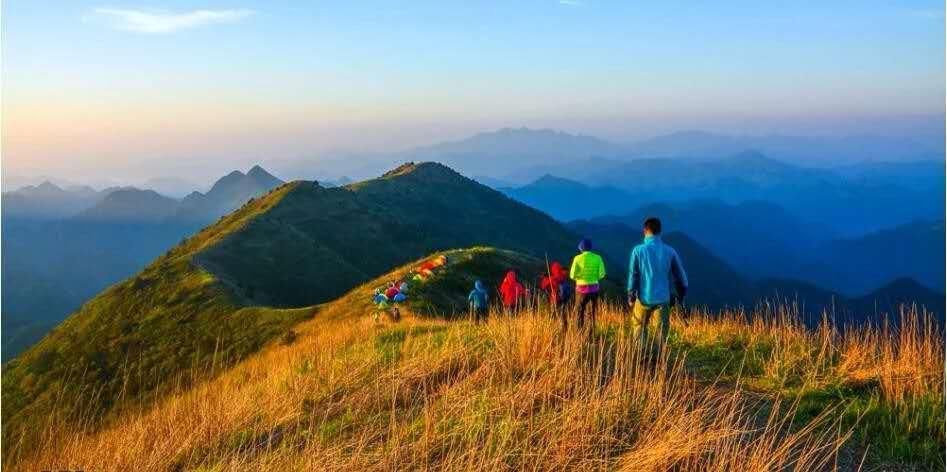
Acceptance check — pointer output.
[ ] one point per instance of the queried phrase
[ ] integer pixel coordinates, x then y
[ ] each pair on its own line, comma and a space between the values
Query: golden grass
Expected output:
350, 394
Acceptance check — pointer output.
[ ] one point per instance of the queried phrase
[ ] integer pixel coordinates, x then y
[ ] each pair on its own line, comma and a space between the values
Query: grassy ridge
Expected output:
318, 243
296, 246
734, 392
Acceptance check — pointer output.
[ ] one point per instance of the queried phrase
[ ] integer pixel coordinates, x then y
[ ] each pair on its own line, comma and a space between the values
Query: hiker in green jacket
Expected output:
587, 270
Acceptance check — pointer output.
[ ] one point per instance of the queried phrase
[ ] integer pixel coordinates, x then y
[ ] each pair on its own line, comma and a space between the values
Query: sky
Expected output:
129, 89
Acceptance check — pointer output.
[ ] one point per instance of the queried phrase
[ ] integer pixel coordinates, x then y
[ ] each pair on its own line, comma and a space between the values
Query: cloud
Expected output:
149, 21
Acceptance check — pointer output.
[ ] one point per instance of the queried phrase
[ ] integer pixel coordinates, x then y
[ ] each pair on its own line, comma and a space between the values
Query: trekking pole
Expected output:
548, 277
548, 270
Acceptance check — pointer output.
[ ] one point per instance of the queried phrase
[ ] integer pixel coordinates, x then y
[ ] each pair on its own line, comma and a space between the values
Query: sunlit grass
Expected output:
731, 392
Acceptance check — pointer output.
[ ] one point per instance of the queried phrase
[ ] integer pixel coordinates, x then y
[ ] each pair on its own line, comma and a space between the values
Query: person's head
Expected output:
652, 226
478, 285
555, 268
585, 244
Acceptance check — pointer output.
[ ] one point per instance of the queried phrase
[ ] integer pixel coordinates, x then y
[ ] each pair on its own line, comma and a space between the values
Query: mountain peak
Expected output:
257, 171
131, 204
549, 180
234, 176
263, 178
228, 193
433, 171
48, 186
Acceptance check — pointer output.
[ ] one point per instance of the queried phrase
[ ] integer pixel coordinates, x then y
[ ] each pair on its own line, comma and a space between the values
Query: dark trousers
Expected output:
583, 302
479, 314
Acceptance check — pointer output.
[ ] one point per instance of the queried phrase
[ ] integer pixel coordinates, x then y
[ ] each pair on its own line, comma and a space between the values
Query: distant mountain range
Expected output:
61, 247
850, 202
517, 156
521, 155
48, 201
818, 151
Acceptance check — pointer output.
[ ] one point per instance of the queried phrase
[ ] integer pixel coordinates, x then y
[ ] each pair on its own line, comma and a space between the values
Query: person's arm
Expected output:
574, 270
634, 277
601, 268
679, 275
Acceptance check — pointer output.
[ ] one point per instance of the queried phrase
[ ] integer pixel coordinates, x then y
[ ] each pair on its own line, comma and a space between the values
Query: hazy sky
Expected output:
128, 89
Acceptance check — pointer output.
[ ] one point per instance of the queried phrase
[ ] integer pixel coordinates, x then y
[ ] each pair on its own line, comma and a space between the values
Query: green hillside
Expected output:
201, 303
317, 243
346, 392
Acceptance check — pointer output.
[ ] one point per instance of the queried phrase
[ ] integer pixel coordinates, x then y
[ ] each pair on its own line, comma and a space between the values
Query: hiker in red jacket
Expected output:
555, 283
512, 292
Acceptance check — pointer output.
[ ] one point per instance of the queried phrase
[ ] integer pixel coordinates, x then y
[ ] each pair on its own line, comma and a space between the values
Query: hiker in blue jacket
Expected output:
653, 267
478, 302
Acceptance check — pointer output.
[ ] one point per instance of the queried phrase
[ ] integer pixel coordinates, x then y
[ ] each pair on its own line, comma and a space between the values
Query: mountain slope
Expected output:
298, 245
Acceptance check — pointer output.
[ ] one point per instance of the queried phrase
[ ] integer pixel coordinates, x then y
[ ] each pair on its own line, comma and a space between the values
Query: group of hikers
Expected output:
656, 282
397, 291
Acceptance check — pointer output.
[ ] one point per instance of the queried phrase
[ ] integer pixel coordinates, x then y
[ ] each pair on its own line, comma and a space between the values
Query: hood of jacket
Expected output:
510, 278
556, 271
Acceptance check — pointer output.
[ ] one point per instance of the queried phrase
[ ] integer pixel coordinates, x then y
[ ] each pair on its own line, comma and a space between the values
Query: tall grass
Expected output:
730, 392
